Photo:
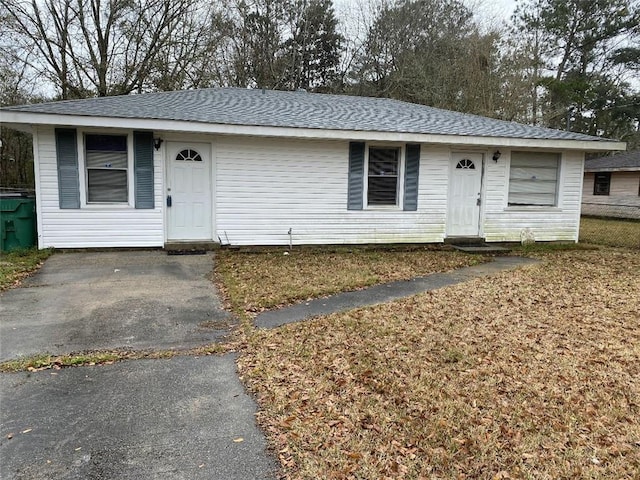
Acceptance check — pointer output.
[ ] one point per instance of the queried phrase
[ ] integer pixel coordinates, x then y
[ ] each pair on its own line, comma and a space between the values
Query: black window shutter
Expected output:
143, 168
356, 175
411, 172
67, 163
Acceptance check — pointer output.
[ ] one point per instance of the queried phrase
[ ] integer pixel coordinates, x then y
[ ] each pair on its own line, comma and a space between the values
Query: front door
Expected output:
188, 198
465, 195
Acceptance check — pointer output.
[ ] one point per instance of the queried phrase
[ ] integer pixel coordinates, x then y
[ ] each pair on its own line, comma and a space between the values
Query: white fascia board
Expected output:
13, 117
612, 169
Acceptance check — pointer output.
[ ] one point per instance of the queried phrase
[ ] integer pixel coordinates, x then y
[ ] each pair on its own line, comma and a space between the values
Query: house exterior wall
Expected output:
503, 223
623, 200
91, 226
264, 187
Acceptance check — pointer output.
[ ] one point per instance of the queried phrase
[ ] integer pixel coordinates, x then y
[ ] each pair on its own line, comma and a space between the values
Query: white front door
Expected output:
188, 196
465, 195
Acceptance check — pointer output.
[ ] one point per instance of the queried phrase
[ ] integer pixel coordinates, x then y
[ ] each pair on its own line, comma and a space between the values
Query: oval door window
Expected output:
188, 155
466, 164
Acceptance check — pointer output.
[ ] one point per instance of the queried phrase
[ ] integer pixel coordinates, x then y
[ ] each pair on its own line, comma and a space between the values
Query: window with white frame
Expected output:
106, 161
533, 179
382, 176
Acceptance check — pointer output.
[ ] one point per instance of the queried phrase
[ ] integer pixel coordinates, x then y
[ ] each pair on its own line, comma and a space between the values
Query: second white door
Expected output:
465, 190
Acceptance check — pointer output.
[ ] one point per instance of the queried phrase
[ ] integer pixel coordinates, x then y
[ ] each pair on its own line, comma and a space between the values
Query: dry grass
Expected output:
36, 363
530, 374
16, 265
610, 231
256, 281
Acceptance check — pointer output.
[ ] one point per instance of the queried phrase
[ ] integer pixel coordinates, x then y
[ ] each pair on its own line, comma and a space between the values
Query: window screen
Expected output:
106, 161
533, 178
382, 187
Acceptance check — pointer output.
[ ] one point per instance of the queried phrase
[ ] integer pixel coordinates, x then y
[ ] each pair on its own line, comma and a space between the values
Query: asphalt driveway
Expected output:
180, 418
102, 300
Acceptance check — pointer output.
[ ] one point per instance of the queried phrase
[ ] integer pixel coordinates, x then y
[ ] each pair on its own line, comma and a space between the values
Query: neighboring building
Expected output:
260, 167
612, 186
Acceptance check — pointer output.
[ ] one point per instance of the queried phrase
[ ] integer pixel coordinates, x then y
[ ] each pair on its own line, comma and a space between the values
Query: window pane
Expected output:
106, 160
382, 184
525, 186
533, 178
602, 184
383, 161
534, 159
542, 199
382, 190
107, 186
533, 173
107, 143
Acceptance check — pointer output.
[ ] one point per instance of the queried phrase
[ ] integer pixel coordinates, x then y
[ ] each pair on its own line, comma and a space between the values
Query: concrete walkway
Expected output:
385, 292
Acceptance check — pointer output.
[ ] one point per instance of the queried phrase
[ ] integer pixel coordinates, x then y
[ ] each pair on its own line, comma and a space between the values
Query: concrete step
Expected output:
465, 241
484, 248
189, 248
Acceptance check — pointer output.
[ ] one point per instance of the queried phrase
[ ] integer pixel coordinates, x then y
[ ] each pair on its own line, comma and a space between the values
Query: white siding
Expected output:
91, 226
504, 223
625, 184
587, 187
623, 200
264, 187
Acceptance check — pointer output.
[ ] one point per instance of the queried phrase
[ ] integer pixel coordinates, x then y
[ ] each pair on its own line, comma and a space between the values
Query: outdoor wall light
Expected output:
496, 155
157, 142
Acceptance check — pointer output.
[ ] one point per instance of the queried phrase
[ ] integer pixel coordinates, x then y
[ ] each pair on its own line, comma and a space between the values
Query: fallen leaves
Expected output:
256, 281
533, 373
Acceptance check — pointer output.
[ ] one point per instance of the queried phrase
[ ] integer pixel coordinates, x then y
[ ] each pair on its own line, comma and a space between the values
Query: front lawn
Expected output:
614, 232
533, 374
16, 265
268, 278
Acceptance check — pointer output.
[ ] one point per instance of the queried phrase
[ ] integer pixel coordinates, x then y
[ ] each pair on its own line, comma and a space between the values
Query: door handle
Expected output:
168, 200
478, 202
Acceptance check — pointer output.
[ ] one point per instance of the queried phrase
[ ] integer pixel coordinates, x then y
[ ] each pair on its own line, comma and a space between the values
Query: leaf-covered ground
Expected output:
528, 374
255, 281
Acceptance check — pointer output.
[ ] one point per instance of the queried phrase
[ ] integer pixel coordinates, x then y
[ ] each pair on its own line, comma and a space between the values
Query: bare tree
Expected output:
92, 47
430, 52
16, 154
197, 55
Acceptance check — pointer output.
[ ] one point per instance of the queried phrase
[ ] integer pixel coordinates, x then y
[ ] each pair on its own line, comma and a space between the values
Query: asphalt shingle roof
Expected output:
620, 161
236, 106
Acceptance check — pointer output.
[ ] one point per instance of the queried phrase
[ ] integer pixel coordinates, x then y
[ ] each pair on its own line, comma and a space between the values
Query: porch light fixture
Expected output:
496, 155
157, 142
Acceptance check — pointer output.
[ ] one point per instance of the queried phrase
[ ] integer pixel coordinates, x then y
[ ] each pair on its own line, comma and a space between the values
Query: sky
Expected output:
489, 13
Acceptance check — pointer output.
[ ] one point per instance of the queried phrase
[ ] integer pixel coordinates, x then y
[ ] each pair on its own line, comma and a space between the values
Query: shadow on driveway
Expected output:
102, 300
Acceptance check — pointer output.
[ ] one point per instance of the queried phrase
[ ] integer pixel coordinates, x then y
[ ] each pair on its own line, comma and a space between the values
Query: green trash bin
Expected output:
17, 222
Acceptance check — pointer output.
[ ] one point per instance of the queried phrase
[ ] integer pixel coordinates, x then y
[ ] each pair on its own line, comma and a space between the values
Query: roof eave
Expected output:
22, 120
